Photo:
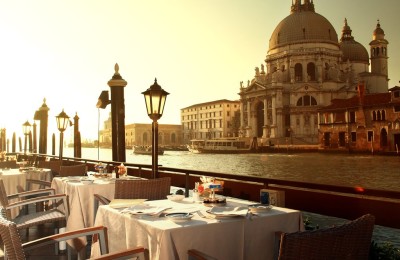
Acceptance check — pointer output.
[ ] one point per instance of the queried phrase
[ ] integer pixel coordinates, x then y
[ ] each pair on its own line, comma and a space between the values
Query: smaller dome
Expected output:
354, 52
351, 49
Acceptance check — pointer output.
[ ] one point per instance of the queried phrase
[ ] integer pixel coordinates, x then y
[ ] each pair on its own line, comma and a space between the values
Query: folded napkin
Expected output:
125, 203
144, 209
229, 211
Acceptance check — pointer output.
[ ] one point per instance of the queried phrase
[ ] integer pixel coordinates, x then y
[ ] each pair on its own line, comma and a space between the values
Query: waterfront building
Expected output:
306, 67
169, 135
365, 122
212, 119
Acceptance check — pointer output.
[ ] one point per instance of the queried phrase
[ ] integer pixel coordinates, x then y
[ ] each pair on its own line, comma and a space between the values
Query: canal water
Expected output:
367, 171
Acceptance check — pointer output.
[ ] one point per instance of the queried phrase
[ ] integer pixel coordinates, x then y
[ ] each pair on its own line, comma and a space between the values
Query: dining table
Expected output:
15, 180
248, 234
81, 200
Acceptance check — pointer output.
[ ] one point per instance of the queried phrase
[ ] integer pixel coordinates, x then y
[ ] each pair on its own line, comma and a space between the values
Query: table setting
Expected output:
164, 226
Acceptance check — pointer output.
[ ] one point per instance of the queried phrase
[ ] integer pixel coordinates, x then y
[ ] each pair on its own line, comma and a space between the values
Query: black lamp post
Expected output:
26, 128
155, 98
62, 123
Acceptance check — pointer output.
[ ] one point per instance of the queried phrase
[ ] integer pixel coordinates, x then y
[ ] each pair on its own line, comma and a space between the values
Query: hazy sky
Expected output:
199, 51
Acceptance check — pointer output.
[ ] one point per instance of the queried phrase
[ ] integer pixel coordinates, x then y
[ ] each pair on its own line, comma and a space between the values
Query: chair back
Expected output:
12, 242
3, 195
53, 165
8, 164
152, 189
73, 170
348, 241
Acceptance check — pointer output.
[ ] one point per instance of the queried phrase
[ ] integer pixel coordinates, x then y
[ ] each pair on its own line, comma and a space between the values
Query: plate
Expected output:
175, 197
228, 212
179, 216
259, 208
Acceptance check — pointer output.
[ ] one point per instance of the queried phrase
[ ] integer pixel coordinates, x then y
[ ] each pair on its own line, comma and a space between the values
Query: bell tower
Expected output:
378, 46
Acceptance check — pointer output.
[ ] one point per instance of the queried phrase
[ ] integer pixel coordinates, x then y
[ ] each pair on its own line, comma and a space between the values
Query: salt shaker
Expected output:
196, 195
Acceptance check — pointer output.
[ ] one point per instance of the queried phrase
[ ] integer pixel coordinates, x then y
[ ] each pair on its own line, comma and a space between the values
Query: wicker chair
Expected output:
53, 165
8, 164
151, 189
15, 250
27, 220
73, 170
348, 241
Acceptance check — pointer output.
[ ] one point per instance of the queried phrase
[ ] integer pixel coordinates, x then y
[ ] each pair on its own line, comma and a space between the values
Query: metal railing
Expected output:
325, 199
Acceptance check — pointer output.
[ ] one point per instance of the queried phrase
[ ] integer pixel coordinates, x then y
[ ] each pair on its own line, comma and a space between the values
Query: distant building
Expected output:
169, 135
362, 123
141, 134
209, 120
306, 67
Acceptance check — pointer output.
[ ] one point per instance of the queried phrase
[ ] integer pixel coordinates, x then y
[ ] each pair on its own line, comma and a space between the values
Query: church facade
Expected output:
307, 65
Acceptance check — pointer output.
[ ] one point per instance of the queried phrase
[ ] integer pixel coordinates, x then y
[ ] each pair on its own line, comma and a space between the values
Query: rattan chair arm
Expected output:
21, 195
100, 231
35, 200
101, 199
39, 182
138, 252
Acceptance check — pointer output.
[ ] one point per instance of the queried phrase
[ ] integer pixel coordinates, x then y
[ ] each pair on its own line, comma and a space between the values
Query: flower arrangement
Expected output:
121, 170
208, 184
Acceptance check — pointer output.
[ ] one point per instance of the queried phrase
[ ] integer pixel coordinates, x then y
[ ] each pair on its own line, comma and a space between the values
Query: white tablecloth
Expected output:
81, 202
227, 238
12, 178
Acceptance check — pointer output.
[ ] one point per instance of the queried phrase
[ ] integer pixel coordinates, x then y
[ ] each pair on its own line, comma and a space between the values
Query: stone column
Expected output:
117, 84
42, 114
241, 115
265, 129
273, 124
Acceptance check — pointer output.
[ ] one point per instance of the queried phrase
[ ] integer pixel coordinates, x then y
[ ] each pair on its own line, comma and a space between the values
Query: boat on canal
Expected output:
222, 145
147, 150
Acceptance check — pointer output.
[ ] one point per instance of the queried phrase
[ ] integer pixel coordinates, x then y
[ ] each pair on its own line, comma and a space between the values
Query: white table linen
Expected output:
223, 238
81, 201
12, 178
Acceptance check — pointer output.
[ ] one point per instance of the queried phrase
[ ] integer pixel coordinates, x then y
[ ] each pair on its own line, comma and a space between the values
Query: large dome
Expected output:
303, 27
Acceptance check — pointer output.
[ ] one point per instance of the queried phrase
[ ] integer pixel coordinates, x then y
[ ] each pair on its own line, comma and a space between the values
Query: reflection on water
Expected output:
378, 172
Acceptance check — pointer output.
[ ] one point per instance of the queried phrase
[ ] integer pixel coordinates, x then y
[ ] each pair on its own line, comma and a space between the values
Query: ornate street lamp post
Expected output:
155, 98
62, 123
26, 129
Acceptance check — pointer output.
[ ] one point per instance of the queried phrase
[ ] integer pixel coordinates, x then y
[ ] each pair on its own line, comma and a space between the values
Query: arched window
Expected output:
311, 71
383, 113
298, 72
374, 115
379, 118
306, 100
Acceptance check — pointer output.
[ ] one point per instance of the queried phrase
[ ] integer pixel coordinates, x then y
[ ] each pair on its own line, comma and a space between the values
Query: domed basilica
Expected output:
306, 66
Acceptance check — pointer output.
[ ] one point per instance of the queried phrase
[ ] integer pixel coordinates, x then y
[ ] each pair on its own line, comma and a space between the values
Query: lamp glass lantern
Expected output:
26, 129
155, 98
62, 123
